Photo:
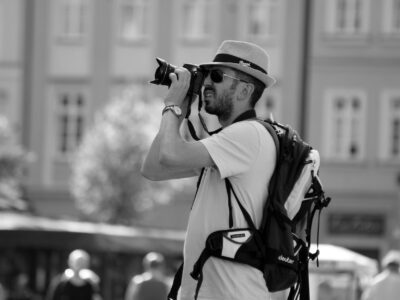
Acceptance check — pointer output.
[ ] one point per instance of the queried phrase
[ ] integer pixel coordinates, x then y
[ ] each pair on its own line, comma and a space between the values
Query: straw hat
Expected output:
246, 57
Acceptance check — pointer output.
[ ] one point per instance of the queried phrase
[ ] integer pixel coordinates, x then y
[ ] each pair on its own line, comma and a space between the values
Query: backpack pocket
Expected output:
232, 240
280, 270
239, 245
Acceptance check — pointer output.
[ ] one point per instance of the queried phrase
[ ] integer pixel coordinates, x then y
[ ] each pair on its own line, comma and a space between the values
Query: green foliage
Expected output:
106, 180
13, 161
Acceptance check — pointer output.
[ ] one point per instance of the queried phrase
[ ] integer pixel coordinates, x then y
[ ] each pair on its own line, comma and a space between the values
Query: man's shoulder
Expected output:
148, 282
139, 279
247, 128
59, 279
265, 132
90, 276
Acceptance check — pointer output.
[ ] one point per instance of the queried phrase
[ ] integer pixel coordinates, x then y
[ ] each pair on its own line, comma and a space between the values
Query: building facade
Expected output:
354, 69
337, 65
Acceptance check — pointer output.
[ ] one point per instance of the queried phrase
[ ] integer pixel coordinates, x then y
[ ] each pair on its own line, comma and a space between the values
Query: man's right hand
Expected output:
180, 82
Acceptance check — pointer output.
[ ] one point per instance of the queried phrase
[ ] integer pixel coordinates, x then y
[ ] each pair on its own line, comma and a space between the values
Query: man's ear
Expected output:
246, 91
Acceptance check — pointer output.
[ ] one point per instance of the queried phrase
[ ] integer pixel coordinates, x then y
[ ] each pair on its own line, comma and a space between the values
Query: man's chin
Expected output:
208, 109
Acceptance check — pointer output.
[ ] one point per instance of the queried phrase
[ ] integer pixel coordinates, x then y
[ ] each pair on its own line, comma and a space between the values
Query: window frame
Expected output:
332, 14
144, 34
72, 140
209, 7
387, 116
79, 16
388, 18
244, 24
5, 100
348, 94
2, 36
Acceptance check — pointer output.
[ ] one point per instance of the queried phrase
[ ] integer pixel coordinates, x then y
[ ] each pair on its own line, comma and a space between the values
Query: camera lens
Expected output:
161, 75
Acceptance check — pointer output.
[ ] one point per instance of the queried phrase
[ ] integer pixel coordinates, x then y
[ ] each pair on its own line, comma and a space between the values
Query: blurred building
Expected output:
337, 64
353, 117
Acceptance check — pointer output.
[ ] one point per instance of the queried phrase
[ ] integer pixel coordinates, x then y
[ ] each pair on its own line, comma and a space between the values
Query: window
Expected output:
392, 16
4, 101
2, 26
262, 19
391, 129
73, 18
196, 19
71, 108
348, 17
133, 18
345, 135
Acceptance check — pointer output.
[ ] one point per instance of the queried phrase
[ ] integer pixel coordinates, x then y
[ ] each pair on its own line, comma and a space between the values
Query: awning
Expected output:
342, 259
23, 230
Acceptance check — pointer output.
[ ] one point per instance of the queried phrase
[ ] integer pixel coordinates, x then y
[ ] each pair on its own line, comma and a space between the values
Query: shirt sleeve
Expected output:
234, 149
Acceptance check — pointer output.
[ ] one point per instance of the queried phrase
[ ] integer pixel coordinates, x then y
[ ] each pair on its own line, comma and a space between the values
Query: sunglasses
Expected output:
217, 76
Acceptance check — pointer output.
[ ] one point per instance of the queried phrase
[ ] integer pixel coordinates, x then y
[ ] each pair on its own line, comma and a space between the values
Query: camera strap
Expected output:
191, 128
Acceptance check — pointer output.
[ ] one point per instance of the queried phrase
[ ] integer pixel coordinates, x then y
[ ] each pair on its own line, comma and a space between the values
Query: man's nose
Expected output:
207, 79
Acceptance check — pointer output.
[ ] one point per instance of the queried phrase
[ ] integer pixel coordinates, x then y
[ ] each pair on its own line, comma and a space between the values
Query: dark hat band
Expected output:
227, 58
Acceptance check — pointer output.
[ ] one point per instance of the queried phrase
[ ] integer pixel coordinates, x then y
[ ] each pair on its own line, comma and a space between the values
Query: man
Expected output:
242, 151
152, 284
386, 285
77, 282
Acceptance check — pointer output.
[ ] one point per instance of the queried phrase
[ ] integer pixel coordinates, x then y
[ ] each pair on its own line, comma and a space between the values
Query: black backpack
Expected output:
295, 195
280, 248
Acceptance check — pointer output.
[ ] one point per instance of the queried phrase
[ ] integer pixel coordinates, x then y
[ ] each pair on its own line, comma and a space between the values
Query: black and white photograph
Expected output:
199, 149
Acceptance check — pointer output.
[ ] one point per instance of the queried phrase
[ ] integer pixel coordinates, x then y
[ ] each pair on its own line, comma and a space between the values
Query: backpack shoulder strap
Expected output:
198, 185
229, 190
173, 293
268, 124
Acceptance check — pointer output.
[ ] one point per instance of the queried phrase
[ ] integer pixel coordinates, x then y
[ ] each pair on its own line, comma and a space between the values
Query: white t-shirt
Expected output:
245, 152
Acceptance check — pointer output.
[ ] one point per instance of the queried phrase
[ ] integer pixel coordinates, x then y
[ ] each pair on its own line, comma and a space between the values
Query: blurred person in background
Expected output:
3, 293
152, 283
21, 290
326, 291
386, 285
77, 282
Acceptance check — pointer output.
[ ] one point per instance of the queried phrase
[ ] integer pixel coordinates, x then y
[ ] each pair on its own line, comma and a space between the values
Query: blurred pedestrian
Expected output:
152, 284
3, 293
21, 290
386, 285
326, 291
77, 282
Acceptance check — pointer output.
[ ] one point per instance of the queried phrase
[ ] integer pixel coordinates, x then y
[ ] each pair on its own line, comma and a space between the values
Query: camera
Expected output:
161, 76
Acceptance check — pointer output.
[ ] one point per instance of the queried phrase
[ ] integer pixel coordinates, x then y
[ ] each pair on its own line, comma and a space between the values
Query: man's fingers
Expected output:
173, 77
181, 77
183, 74
180, 81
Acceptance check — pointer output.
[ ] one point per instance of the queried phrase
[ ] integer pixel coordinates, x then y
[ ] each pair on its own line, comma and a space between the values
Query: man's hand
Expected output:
180, 82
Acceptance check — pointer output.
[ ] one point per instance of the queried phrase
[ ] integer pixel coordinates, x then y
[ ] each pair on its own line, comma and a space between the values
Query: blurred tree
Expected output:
13, 161
106, 180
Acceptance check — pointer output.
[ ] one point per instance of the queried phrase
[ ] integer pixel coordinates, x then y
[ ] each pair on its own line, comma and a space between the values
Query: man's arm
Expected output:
55, 288
175, 152
152, 168
170, 156
131, 290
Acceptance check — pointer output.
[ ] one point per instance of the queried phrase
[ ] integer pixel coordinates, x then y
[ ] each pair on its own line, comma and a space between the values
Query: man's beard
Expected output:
222, 105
